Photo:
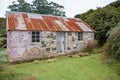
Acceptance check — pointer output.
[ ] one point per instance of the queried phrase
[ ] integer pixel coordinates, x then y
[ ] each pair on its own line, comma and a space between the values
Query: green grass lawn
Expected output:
65, 68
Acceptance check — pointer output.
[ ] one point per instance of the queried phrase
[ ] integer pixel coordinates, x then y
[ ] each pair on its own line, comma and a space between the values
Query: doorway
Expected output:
61, 42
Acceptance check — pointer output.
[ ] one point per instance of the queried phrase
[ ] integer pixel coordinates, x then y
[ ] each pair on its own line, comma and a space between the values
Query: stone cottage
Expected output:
29, 33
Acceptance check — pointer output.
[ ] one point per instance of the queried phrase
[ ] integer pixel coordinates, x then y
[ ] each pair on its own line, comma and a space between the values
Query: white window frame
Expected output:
35, 36
80, 36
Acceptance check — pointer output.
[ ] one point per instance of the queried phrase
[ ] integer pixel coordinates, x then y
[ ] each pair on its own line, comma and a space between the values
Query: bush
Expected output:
3, 59
112, 47
5, 72
3, 42
91, 45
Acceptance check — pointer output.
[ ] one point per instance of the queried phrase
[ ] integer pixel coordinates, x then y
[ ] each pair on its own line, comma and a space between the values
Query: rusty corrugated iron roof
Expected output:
30, 21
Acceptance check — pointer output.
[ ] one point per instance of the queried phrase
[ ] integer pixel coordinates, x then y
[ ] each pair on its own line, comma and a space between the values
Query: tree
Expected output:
38, 6
115, 4
57, 9
2, 27
20, 6
102, 19
113, 43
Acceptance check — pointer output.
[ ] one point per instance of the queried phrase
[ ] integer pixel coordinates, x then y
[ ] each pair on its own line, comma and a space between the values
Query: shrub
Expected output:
3, 59
90, 46
5, 72
3, 42
104, 53
112, 47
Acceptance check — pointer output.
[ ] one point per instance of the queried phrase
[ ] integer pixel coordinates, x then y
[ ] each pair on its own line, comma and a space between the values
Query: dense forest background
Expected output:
102, 19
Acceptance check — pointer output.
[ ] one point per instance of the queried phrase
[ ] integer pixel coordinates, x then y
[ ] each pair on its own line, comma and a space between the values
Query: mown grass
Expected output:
82, 68
65, 68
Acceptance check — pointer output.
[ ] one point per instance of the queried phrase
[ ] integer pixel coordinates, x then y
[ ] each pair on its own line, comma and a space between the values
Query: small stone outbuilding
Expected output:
29, 33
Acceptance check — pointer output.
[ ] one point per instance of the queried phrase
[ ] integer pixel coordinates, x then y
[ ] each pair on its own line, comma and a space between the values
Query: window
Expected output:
73, 37
80, 36
35, 37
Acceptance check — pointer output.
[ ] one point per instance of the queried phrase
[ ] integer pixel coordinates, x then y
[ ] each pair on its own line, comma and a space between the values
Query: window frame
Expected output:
80, 36
36, 37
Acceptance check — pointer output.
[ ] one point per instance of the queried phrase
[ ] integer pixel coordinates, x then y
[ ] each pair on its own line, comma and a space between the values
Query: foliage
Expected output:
44, 7
81, 67
3, 58
38, 6
2, 27
116, 4
20, 6
91, 45
3, 42
102, 19
113, 43
5, 72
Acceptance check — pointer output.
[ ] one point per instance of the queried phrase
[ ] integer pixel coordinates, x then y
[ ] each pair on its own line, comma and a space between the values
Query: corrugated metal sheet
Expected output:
28, 21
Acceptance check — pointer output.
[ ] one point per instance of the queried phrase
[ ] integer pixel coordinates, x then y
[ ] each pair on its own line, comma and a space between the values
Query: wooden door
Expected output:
61, 42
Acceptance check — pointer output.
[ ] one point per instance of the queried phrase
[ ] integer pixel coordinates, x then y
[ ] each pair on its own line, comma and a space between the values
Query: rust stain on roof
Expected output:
28, 21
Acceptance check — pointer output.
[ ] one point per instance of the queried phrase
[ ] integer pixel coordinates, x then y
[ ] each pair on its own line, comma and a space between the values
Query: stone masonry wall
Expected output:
19, 43
48, 42
74, 44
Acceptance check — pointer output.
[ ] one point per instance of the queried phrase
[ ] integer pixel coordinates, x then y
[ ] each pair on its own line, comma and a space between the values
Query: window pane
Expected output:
37, 40
37, 33
80, 36
35, 36
33, 40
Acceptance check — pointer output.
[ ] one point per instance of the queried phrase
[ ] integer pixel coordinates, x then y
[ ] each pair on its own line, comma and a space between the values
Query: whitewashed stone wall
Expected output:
48, 41
19, 43
74, 44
